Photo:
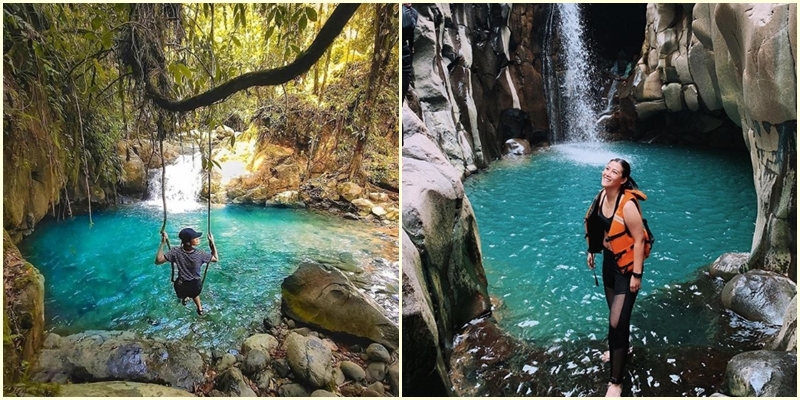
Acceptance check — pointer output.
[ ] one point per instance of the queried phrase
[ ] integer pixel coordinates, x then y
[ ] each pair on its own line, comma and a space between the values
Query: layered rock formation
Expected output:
738, 60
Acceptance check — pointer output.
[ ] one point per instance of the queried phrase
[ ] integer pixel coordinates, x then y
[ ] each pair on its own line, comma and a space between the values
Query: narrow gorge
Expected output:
494, 92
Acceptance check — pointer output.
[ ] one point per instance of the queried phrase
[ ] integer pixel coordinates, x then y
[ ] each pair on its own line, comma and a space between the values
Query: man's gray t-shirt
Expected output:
189, 263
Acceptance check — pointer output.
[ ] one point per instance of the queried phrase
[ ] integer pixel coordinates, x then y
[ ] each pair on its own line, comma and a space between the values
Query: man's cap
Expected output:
187, 234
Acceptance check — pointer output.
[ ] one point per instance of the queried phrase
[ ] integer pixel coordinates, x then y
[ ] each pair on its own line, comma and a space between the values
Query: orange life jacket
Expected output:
619, 238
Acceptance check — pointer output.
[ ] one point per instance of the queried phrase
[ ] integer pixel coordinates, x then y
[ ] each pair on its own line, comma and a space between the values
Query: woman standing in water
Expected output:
614, 226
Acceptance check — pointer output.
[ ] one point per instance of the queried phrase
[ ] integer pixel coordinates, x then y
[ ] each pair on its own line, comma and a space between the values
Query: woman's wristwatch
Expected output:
635, 275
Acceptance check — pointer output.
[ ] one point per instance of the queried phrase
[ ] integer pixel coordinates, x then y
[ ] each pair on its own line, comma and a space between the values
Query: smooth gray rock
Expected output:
376, 371
120, 389
309, 359
322, 393
255, 362
353, 371
231, 382
261, 341
762, 373
787, 337
376, 352
394, 378
729, 265
759, 296
292, 390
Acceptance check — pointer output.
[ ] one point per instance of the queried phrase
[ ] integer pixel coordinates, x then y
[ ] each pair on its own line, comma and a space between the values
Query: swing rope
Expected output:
208, 171
163, 192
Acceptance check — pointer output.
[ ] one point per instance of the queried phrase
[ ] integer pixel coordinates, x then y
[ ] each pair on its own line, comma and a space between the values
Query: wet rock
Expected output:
338, 376
353, 371
309, 359
729, 265
255, 362
351, 216
762, 373
376, 352
232, 383
787, 337
322, 393
120, 389
517, 147
759, 296
376, 371
113, 355
289, 198
292, 390
262, 341
325, 298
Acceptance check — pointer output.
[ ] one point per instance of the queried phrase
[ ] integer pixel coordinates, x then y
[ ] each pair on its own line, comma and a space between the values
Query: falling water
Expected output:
571, 108
184, 179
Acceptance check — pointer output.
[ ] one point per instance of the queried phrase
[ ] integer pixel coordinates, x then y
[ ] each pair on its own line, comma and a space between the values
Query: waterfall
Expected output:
184, 179
571, 106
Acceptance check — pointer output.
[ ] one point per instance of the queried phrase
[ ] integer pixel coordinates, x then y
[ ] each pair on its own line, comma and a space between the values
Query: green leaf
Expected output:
296, 15
311, 13
302, 23
233, 140
295, 49
107, 39
236, 41
269, 32
97, 22
216, 163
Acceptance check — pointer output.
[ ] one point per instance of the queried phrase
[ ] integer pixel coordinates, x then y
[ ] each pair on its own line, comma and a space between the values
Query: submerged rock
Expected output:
325, 298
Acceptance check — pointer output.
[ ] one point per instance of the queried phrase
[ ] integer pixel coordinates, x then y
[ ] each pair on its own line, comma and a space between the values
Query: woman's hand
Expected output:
590, 260
636, 284
210, 238
164, 237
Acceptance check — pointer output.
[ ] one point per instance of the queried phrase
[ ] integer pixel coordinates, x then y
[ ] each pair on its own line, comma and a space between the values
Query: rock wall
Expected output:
738, 60
471, 63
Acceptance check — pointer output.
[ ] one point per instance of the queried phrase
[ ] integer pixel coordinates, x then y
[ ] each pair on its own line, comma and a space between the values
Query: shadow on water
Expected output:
488, 361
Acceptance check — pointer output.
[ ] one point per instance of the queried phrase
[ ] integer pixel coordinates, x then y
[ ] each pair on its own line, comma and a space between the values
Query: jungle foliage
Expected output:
80, 78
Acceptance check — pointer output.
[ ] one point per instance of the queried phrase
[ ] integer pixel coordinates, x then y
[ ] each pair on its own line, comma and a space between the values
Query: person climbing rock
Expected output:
409, 23
189, 260
614, 225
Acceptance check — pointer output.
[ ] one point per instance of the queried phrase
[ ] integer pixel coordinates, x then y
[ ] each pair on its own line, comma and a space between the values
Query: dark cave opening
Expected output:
615, 31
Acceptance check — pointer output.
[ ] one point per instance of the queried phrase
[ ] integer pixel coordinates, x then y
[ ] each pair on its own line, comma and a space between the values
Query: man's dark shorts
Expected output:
190, 289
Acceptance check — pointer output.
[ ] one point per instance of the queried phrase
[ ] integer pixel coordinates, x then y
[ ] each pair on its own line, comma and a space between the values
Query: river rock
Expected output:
787, 337
114, 355
289, 198
729, 265
353, 371
378, 388
376, 352
264, 379
325, 298
394, 378
349, 190
672, 96
762, 373
281, 367
338, 376
309, 359
260, 341
120, 389
322, 393
378, 211
134, 176
227, 361
231, 381
292, 390
759, 296
255, 362
376, 371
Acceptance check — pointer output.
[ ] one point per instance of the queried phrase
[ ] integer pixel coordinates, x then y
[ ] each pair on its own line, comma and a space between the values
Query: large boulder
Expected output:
94, 356
134, 175
787, 337
762, 373
260, 341
309, 359
120, 389
325, 298
759, 296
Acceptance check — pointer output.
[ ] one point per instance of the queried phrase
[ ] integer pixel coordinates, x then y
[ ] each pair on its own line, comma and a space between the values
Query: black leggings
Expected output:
620, 305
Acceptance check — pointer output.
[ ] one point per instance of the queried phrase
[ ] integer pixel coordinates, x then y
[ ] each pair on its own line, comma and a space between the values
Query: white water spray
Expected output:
578, 113
184, 179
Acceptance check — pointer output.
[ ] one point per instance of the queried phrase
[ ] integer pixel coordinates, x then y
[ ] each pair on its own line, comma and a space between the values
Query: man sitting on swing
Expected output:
189, 261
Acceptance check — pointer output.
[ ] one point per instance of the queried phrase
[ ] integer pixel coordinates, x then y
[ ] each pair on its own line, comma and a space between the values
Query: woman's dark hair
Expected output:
626, 173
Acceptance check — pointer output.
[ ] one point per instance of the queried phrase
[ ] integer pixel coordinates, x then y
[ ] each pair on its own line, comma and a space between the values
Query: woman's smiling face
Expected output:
612, 175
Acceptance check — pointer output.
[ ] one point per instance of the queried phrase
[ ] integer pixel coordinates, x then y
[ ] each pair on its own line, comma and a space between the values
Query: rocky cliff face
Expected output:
740, 60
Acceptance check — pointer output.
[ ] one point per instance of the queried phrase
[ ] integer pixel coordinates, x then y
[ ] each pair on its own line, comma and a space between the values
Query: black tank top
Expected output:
606, 221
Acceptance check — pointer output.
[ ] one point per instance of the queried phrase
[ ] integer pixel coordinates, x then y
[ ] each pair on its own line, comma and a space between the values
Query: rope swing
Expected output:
208, 171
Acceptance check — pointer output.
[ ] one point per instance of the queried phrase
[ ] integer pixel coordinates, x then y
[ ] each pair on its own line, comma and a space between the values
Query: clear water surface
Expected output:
701, 204
103, 277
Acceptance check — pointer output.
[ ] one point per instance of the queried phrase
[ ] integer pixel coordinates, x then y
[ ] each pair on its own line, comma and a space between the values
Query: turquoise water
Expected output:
103, 277
701, 203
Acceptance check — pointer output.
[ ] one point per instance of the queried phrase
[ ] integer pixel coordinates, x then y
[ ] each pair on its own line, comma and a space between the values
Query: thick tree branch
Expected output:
333, 27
